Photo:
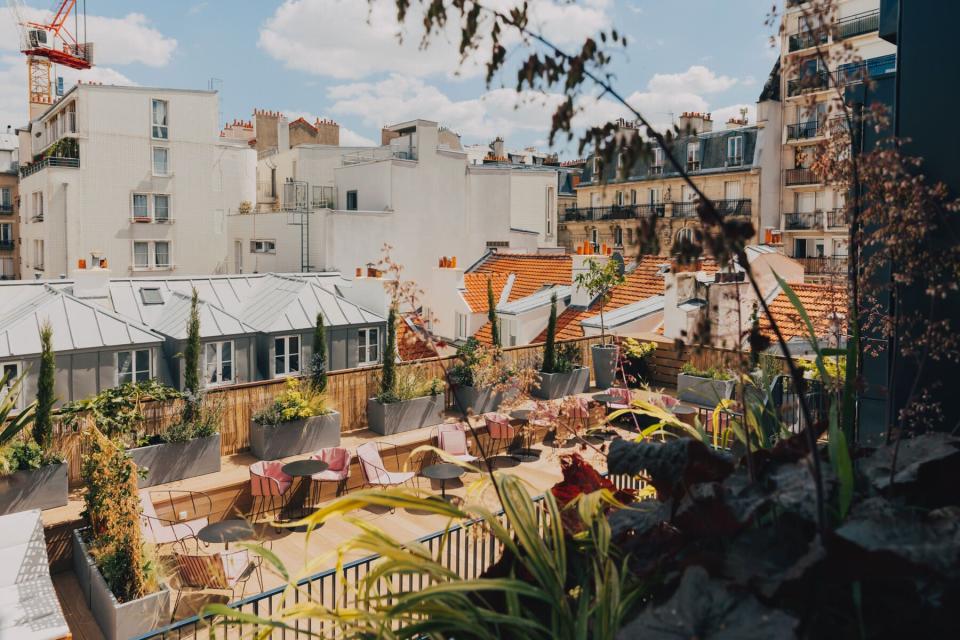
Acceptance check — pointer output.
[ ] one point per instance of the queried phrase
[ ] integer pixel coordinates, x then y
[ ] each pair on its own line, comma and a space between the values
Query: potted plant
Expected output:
599, 280
297, 421
31, 477
561, 371
406, 399
116, 570
480, 378
636, 358
704, 387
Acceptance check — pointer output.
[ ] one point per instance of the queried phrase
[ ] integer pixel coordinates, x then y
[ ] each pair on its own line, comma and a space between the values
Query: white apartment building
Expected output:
812, 220
417, 192
134, 176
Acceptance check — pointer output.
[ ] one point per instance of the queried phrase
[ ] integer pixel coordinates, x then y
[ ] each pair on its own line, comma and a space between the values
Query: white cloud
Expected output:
697, 79
125, 40
721, 115
349, 39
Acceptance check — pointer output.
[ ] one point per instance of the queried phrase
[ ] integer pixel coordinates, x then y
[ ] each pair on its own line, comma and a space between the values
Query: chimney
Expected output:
497, 147
736, 123
91, 282
328, 132
581, 264
695, 121
386, 135
368, 292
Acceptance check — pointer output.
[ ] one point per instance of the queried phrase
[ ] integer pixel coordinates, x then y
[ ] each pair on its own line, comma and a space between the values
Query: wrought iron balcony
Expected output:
612, 212
33, 167
6, 245
684, 209
824, 265
803, 220
793, 177
806, 39
805, 130
6, 208
811, 81
837, 219
856, 25
734, 207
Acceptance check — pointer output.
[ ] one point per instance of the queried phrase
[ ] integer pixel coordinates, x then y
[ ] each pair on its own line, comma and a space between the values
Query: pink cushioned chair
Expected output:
268, 484
375, 472
452, 438
338, 469
501, 432
623, 398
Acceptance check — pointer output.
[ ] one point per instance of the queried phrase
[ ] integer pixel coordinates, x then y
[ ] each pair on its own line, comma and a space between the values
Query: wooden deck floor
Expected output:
293, 548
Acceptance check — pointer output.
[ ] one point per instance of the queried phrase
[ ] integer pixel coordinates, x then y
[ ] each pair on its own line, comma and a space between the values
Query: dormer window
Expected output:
735, 151
693, 156
158, 117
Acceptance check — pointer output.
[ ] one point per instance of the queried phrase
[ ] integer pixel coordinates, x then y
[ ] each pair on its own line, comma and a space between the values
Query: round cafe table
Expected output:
226, 531
303, 469
442, 471
526, 453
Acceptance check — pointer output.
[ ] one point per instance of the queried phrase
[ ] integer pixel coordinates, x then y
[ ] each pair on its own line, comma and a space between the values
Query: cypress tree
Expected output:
388, 376
319, 365
191, 353
550, 346
43, 422
492, 314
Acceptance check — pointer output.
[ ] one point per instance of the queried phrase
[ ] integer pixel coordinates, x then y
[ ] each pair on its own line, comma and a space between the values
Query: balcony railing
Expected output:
323, 197
6, 245
856, 25
805, 40
468, 549
684, 209
612, 212
812, 81
803, 220
805, 130
837, 219
6, 208
33, 167
794, 177
823, 265
734, 207
693, 165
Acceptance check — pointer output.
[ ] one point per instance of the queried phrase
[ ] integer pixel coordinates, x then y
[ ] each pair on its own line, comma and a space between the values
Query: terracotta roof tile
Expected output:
411, 345
475, 289
533, 272
821, 303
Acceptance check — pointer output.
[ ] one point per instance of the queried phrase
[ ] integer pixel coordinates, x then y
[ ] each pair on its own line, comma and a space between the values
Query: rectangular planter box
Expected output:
558, 385
172, 461
307, 435
703, 391
118, 621
480, 400
397, 417
43, 488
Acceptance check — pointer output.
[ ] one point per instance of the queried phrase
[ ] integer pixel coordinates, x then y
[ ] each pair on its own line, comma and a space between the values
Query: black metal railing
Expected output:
823, 265
805, 130
806, 39
6, 245
611, 212
800, 176
837, 218
33, 167
684, 209
469, 549
734, 207
803, 220
856, 25
6, 208
859, 71
809, 81
652, 209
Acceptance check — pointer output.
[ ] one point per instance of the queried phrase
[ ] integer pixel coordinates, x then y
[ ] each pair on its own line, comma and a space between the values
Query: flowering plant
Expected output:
295, 402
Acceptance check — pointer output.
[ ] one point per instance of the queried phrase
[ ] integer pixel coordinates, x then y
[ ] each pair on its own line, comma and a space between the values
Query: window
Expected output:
9, 372
368, 346
140, 210
731, 190
653, 196
38, 254
685, 234
633, 196
158, 120
218, 362
657, 166
508, 327
618, 236
151, 295
351, 200
597, 165
161, 161
161, 207
6, 234
618, 198
263, 246
133, 366
461, 326
36, 209
548, 210
141, 255
735, 150
286, 355
693, 156
161, 253
594, 236
6, 204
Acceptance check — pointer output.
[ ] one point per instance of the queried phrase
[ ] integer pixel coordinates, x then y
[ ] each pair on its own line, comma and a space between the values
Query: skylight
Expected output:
151, 295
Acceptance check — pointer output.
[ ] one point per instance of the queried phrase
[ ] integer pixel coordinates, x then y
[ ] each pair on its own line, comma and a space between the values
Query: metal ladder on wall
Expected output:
296, 202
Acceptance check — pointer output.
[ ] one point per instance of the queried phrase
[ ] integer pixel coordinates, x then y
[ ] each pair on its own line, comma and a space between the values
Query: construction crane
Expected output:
50, 43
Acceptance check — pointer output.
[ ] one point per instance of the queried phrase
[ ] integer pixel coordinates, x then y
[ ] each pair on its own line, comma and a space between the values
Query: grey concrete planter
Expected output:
43, 488
82, 563
269, 442
480, 400
558, 385
703, 391
397, 417
172, 461
604, 364
118, 621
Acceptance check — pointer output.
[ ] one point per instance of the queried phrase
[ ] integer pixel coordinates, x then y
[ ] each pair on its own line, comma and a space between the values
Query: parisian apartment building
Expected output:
134, 179
9, 221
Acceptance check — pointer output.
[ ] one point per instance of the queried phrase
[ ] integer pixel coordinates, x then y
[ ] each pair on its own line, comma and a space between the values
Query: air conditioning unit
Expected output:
37, 39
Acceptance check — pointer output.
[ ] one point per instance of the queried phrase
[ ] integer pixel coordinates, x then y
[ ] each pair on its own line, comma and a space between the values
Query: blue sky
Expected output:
322, 58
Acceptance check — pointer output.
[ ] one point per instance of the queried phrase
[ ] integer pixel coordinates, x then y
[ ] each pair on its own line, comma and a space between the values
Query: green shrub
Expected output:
410, 383
712, 373
43, 422
296, 402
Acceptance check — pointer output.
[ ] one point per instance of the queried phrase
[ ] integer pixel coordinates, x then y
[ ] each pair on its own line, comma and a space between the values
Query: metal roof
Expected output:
77, 324
214, 321
535, 300
627, 313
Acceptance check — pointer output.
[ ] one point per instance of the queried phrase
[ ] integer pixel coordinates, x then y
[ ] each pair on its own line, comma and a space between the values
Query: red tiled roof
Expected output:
821, 303
411, 345
475, 289
641, 283
532, 272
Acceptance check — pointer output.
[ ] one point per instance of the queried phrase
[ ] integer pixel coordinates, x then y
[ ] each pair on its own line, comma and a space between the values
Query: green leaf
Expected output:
840, 459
